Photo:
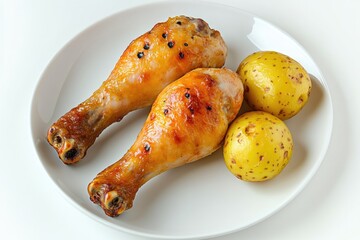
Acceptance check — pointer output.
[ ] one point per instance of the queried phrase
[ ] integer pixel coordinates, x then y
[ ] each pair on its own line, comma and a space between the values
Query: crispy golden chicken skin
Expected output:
187, 122
152, 61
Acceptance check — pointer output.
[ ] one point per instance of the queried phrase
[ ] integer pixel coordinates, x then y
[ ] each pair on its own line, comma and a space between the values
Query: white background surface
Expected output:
32, 32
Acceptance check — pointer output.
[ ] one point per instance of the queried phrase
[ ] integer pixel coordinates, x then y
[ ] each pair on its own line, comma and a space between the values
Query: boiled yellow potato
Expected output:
274, 83
257, 146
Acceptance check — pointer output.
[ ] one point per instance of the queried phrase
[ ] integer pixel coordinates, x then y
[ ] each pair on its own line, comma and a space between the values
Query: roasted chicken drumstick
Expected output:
152, 61
187, 121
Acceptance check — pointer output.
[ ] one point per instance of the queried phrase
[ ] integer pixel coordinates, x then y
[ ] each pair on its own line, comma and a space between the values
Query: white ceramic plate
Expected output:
201, 199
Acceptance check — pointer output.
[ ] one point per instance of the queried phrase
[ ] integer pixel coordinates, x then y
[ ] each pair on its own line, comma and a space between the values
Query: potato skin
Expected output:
257, 146
274, 83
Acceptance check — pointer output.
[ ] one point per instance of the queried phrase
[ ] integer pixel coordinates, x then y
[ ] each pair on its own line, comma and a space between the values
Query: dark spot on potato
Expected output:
300, 99
286, 153
250, 129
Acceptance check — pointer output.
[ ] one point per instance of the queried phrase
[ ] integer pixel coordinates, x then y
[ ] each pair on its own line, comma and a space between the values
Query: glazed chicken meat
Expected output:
187, 122
151, 62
